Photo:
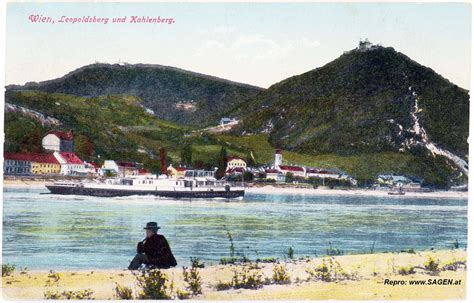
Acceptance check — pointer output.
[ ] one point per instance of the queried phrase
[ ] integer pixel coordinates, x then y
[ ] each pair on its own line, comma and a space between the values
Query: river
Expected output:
52, 232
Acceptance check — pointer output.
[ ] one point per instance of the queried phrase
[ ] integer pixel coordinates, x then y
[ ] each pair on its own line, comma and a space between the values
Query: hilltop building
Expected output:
226, 120
59, 141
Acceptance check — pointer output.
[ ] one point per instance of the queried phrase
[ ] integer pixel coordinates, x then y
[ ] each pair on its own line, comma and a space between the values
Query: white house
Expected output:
275, 174
70, 163
110, 166
58, 141
226, 120
322, 173
295, 170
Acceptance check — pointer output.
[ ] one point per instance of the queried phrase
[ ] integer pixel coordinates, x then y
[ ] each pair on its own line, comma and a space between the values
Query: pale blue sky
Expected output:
259, 44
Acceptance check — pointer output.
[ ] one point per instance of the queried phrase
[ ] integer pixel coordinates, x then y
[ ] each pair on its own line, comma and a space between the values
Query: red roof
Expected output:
272, 171
71, 158
291, 168
63, 135
181, 168
318, 171
278, 151
143, 171
235, 170
40, 158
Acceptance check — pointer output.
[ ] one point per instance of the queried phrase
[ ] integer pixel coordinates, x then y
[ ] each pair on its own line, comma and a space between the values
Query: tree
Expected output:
222, 163
187, 155
250, 159
83, 147
31, 142
248, 176
289, 177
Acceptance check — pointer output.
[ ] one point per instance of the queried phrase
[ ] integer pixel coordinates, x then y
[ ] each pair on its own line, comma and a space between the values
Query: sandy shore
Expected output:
26, 183
371, 272
269, 189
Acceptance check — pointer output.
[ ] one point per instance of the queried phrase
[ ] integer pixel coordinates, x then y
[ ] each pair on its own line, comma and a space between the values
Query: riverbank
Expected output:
370, 276
277, 190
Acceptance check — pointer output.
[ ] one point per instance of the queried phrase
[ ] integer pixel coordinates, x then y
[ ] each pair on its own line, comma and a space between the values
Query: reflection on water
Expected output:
56, 232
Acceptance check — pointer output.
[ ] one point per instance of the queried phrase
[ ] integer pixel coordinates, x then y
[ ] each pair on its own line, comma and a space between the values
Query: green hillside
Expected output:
357, 103
173, 94
370, 111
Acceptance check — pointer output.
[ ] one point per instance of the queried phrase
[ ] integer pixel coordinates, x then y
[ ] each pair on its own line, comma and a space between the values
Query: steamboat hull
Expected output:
108, 192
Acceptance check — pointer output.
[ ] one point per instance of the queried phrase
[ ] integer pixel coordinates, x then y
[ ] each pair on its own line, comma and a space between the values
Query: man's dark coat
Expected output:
158, 251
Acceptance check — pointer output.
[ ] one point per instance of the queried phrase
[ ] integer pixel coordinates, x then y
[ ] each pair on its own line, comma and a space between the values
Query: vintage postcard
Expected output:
235, 151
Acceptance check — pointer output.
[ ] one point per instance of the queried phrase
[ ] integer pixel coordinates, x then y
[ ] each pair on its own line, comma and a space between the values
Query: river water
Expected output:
53, 232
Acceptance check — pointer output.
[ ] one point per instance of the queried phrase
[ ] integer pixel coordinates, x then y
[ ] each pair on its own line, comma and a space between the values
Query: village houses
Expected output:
30, 163
59, 157
122, 168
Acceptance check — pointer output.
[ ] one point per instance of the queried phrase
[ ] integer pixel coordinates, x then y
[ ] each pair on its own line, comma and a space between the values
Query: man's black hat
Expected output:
152, 225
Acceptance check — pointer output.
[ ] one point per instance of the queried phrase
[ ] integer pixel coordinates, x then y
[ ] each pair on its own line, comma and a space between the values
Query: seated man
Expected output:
153, 251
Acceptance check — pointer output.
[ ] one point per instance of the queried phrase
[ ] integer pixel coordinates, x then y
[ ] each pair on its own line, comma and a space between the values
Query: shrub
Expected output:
454, 265
329, 273
231, 241
431, 265
280, 274
197, 263
7, 269
78, 295
182, 294
406, 270
290, 253
267, 260
69, 295
226, 261
332, 251
248, 277
154, 285
54, 276
193, 279
123, 292
234, 260
223, 285
51, 295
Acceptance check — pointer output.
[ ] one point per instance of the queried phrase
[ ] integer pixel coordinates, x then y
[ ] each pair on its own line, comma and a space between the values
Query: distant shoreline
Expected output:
269, 189
279, 190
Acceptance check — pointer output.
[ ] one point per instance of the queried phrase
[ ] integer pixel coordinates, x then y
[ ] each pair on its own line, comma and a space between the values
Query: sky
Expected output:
257, 43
